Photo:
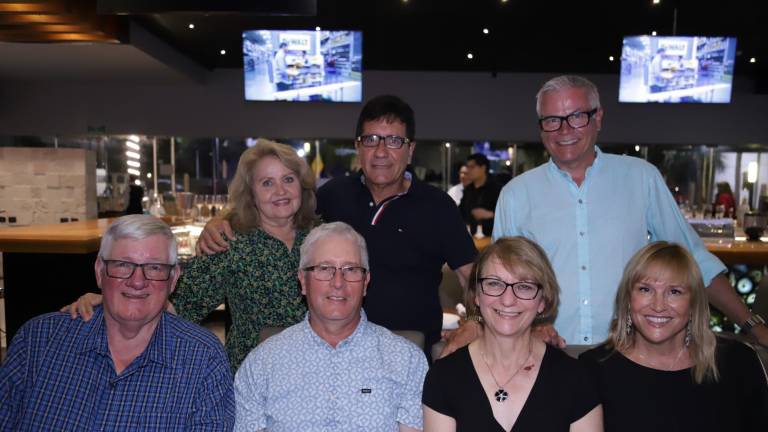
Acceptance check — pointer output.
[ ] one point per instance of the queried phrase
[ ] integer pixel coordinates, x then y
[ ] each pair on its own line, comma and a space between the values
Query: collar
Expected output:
95, 340
406, 174
596, 164
351, 339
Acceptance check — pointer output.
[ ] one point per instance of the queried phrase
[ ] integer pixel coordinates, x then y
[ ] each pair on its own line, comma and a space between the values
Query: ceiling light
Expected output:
317, 28
133, 155
132, 146
133, 171
485, 31
134, 138
653, 33
223, 52
134, 164
637, 148
752, 60
307, 147
470, 56
191, 26
656, 1
610, 58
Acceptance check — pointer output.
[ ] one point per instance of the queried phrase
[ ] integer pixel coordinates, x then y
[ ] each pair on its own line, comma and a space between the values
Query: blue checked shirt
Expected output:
59, 376
294, 381
590, 232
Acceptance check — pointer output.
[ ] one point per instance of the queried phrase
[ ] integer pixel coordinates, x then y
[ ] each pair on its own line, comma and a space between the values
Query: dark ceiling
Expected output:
524, 36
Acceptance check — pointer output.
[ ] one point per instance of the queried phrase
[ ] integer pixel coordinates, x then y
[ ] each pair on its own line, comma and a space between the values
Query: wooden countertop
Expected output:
68, 238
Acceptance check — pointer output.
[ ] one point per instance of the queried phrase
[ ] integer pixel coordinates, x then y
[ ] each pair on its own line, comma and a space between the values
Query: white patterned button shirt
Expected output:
295, 381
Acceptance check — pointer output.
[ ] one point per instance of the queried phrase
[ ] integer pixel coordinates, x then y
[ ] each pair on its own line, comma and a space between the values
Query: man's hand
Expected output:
83, 306
481, 213
212, 239
455, 339
548, 335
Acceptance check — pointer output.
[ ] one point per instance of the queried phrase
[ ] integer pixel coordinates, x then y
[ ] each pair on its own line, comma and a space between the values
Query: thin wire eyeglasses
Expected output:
124, 270
496, 287
576, 120
325, 272
391, 141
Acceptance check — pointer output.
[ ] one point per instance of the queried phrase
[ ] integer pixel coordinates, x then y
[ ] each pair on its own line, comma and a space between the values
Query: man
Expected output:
132, 366
592, 211
282, 79
457, 191
412, 228
335, 370
480, 196
658, 82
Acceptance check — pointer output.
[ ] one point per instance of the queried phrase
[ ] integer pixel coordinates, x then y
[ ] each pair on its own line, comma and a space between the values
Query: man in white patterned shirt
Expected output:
334, 371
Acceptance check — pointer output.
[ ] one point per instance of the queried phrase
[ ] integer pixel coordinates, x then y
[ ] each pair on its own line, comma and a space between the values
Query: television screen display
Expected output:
298, 65
677, 69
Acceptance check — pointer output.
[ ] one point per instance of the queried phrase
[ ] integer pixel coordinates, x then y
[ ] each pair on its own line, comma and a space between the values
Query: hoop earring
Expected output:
688, 333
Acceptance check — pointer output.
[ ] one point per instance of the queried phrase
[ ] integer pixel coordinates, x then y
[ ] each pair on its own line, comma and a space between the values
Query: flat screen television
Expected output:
677, 69
303, 65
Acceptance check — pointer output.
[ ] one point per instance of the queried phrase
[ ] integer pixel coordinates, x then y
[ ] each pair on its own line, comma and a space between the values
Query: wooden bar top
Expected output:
68, 238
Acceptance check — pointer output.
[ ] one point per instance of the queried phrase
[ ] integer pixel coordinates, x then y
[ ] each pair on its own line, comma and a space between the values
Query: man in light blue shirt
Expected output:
335, 371
592, 211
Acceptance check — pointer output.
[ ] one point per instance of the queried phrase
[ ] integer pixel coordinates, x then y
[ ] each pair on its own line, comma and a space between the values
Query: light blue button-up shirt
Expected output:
294, 381
590, 232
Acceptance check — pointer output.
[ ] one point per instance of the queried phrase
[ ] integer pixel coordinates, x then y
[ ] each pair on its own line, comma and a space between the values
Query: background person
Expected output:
272, 207
335, 370
479, 200
528, 385
132, 366
662, 359
457, 191
592, 211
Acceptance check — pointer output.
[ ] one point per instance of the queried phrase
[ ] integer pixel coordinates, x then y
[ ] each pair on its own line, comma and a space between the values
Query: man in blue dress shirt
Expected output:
591, 212
132, 366
335, 371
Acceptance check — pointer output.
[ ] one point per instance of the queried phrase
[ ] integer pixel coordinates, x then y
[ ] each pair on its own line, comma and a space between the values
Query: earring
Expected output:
688, 334
629, 325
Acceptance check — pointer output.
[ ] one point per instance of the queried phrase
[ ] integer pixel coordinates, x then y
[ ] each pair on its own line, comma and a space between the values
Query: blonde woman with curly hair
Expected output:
662, 368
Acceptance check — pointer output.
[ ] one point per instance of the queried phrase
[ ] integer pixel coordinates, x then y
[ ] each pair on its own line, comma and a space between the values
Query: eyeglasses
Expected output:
325, 272
151, 271
523, 290
575, 120
391, 141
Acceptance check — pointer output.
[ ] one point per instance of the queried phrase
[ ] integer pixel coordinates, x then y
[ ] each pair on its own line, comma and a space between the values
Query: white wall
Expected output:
449, 105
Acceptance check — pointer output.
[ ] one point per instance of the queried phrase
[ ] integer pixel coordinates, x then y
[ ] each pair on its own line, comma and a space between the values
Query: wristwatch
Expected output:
754, 320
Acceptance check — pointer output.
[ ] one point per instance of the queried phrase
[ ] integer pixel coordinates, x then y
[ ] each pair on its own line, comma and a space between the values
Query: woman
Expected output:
272, 202
508, 379
662, 367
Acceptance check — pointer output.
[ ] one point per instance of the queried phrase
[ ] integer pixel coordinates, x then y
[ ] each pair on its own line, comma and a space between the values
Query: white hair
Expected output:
137, 227
333, 229
568, 82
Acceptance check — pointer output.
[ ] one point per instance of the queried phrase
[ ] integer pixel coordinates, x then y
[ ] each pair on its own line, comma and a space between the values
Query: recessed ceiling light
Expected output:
470, 56
610, 58
653, 33
191, 26
485, 31
317, 28
223, 52
752, 60
656, 1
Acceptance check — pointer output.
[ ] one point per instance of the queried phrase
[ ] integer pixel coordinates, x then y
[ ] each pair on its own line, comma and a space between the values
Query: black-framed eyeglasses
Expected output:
124, 270
575, 120
523, 290
325, 272
391, 141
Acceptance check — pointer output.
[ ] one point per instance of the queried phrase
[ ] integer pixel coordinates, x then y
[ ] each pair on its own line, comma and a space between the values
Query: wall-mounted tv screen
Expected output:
677, 69
298, 65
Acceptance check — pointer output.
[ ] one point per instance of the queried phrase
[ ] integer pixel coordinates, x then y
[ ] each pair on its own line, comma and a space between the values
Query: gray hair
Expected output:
568, 82
333, 229
137, 227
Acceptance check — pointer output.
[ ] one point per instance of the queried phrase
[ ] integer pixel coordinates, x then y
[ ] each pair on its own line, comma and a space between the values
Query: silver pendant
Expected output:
501, 395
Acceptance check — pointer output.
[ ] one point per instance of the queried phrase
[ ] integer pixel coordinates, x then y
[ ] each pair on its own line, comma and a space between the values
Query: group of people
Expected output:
374, 265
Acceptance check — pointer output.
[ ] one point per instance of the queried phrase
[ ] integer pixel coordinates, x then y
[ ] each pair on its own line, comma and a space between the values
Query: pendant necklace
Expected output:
501, 395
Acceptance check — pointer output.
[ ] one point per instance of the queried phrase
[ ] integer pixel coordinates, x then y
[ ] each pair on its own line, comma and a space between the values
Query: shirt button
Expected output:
586, 338
583, 267
581, 233
580, 201
586, 302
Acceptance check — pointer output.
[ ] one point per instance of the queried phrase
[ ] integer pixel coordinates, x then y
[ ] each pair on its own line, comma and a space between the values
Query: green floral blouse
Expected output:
258, 278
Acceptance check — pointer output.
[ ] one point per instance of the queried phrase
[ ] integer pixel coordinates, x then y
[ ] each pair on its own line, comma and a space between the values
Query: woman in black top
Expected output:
508, 379
662, 367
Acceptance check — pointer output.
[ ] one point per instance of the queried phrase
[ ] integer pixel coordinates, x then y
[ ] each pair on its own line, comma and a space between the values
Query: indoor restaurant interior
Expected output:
106, 104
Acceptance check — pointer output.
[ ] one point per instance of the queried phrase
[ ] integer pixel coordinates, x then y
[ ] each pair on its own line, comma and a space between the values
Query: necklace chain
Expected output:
501, 395
671, 366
